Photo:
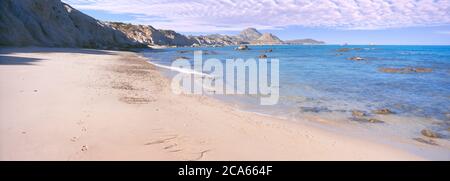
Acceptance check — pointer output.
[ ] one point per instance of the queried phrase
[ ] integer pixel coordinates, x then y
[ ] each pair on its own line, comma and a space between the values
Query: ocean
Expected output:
319, 82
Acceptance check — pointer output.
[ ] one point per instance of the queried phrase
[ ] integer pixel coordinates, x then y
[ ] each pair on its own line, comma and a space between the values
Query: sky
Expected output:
400, 22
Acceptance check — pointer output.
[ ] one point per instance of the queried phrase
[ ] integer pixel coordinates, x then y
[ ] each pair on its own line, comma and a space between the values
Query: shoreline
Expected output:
111, 105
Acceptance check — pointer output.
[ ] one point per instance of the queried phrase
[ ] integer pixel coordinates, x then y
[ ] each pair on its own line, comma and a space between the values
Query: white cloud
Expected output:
221, 15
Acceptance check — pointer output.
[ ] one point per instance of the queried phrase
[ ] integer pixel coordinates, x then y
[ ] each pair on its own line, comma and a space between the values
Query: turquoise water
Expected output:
319, 79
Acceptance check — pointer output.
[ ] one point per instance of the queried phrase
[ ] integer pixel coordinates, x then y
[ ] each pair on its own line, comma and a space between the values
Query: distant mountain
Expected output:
304, 42
249, 34
267, 39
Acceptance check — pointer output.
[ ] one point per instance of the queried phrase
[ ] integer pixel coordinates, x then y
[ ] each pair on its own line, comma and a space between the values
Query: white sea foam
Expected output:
182, 70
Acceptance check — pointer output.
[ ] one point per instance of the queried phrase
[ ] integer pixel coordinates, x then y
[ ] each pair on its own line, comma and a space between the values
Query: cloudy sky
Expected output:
334, 21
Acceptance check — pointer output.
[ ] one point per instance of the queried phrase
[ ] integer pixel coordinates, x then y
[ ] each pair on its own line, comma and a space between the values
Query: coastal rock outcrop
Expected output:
429, 133
53, 23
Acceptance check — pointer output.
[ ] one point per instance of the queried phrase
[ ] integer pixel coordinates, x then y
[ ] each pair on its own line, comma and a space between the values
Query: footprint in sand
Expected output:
84, 148
201, 155
159, 141
74, 139
170, 146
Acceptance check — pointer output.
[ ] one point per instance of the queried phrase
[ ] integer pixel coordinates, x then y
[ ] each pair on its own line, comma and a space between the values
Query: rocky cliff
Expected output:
151, 36
55, 24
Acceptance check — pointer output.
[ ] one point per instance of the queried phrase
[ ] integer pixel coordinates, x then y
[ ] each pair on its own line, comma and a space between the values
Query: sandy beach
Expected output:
78, 104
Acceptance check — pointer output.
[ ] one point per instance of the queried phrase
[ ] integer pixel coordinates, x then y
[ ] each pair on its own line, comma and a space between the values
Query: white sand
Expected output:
73, 104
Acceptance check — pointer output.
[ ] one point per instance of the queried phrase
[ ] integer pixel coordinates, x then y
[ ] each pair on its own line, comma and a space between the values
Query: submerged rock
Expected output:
406, 70
426, 141
206, 52
356, 58
366, 120
373, 120
383, 111
357, 113
348, 49
343, 50
315, 109
429, 133
182, 57
184, 51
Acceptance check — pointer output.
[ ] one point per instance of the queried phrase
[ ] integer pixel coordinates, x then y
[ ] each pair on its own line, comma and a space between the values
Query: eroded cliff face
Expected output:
52, 23
151, 36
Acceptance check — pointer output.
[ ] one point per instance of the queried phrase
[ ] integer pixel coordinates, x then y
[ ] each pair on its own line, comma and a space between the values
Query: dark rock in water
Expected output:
366, 120
357, 113
426, 141
242, 47
263, 56
206, 52
182, 57
383, 111
356, 58
315, 109
343, 50
183, 51
429, 133
406, 70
